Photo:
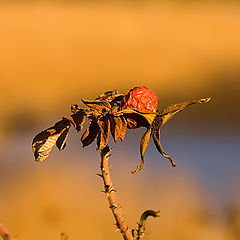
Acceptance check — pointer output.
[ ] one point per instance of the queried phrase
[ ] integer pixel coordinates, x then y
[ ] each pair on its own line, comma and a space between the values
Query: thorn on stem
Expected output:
100, 175
113, 206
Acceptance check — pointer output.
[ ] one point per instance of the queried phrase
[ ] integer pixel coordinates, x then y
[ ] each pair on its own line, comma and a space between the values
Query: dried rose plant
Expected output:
114, 112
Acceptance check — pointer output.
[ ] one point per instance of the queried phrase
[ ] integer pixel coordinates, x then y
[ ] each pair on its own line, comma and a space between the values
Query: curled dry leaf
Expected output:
115, 127
78, 119
143, 146
158, 121
103, 135
98, 105
136, 117
171, 110
123, 128
91, 133
156, 139
164, 116
45, 141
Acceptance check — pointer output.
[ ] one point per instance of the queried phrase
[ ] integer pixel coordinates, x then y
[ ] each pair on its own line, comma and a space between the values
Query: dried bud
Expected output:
142, 99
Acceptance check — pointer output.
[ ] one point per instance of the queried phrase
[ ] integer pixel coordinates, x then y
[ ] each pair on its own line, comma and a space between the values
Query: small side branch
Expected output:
138, 233
110, 193
4, 233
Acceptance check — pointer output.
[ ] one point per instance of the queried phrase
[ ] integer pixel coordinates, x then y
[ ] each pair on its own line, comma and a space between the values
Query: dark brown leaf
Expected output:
115, 126
74, 108
79, 119
143, 146
45, 141
85, 135
103, 135
90, 134
123, 129
171, 110
61, 141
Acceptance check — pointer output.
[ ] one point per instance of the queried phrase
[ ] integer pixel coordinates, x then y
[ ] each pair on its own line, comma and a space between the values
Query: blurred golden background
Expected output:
54, 53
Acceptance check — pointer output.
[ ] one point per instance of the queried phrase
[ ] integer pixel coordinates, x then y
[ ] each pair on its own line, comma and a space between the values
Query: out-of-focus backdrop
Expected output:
53, 53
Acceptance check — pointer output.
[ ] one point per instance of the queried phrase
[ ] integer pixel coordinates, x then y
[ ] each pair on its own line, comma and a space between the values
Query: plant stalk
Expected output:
111, 196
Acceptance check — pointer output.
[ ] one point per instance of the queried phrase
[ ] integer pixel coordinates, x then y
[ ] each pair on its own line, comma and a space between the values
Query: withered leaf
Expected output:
157, 123
123, 129
103, 135
74, 108
115, 127
148, 117
113, 97
171, 110
61, 141
79, 119
143, 146
156, 139
109, 95
90, 134
98, 105
44, 141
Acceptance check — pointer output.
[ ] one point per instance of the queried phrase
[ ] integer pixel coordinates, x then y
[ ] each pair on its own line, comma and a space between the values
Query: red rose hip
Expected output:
142, 99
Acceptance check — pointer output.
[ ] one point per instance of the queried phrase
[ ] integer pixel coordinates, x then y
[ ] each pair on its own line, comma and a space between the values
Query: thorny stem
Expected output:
135, 234
110, 193
4, 234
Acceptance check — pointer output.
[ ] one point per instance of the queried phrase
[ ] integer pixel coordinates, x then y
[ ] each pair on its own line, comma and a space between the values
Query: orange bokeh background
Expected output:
52, 54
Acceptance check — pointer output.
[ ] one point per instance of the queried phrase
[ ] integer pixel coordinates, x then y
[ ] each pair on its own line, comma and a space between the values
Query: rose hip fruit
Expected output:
142, 99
